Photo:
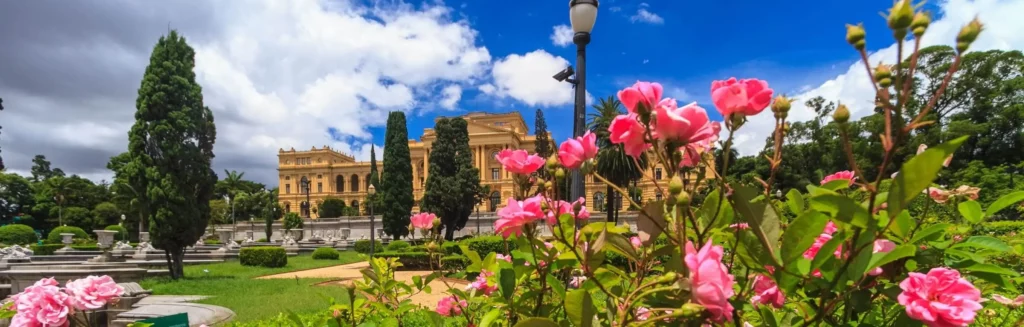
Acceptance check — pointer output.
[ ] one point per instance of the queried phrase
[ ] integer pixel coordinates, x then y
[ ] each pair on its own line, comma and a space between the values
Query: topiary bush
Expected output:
264, 256
54, 235
122, 233
17, 234
363, 246
325, 254
398, 246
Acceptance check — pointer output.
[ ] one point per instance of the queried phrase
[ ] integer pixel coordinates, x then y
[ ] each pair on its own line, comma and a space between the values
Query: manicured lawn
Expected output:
231, 285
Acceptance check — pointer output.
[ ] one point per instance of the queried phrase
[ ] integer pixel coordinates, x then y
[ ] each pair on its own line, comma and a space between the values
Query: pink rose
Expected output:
573, 152
938, 195
740, 226
481, 284
642, 93
1007, 302
557, 208
628, 131
42, 304
635, 241
687, 124
941, 298
642, 314
767, 292
969, 192
92, 292
826, 235
519, 161
450, 306
692, 151
507, 258
746, 97
922, 147
710, 279
423, 220
517, 214
881, 246
846, 174
576, 281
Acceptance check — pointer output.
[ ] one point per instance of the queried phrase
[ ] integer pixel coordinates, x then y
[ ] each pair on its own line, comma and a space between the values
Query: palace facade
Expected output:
339, 175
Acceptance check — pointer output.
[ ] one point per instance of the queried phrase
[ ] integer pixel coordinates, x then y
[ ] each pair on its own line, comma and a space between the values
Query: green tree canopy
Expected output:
396, 187
332, 207
453, 183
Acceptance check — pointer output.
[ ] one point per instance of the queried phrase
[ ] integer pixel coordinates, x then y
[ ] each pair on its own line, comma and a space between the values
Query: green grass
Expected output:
231, 285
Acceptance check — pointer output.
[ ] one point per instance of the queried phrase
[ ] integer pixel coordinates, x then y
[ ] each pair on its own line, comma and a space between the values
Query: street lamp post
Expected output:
252, 228
582, 15
371, 191
125, 236
305, 187
232, 203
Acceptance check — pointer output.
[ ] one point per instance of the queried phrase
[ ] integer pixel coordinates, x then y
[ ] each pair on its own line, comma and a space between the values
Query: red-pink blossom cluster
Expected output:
710, 279
940, 298
44, 304
450, 306
423, 220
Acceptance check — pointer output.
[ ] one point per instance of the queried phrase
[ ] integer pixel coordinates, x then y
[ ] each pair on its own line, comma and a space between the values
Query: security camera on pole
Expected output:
582, 15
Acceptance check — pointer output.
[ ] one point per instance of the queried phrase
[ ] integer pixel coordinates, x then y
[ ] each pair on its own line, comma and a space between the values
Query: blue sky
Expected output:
794, 45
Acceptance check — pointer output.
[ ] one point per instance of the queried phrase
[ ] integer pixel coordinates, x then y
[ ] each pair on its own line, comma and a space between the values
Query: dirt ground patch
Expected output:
345, 274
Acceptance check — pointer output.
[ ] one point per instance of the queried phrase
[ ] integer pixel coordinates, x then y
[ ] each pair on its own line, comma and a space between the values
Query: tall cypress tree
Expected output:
453, 182
544, 147
373, 180
1, 128
396, 189
171, 147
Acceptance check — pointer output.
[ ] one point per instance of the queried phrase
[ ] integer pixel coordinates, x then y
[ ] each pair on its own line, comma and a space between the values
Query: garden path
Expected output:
345, 274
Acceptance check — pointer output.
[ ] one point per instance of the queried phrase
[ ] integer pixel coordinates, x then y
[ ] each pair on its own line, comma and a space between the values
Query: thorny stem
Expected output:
909, 78
849, 152
722, 186
780, 124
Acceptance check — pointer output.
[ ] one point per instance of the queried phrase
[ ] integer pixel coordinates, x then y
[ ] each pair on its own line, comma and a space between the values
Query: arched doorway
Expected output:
304, 206
495, 200
599, 202
339, 183
287, 207
355, 183
657, 196
355, 205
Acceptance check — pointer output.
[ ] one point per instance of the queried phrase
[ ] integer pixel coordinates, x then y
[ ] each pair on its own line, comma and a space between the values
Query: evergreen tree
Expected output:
544, 147
374, 180
453, 183
171, 147
1, 128
396, 189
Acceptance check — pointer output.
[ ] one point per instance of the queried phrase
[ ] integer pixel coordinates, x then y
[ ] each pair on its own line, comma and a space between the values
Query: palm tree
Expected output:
59, 187
612, 161
232, 182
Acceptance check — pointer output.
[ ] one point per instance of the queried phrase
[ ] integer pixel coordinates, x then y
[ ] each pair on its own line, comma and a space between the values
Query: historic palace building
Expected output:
334, 174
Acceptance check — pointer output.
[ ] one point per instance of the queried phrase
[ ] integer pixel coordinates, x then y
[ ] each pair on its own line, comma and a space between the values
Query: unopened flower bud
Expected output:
737, 120
675, 185
540, 182
437, 222
968, 34
692, 309
411, 228
901, 15
533, 180
781, 104
683, 199
553, 162
560, 174
842, 114
432, 247
548, 184
920, 23
669, 276
883, 75
855, 36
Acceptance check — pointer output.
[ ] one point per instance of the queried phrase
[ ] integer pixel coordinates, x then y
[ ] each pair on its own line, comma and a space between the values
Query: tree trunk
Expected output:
449, 233
170, 264
608, 204
177, 264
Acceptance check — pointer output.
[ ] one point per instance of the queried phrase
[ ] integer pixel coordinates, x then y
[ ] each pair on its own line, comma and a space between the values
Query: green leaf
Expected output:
707, 211
800, 234
918, 173
1003, 202
490, 317
536, 322
619, 244
556, 285
580, 308
990, 268
650, 222
998, 279
903, 225
971, 210
842, 209
296, 321
763, 223
839, 184
928, 232
507, 282
767, 317
900, 252
984, 242
795, 200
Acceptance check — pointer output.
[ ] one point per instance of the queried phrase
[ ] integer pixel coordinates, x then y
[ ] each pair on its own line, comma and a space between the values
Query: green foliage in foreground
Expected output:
233, 286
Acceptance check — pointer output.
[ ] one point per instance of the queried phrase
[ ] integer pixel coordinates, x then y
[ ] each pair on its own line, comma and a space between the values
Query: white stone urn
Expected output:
66, 238
295, 234
225, 238
345, 233
105, 238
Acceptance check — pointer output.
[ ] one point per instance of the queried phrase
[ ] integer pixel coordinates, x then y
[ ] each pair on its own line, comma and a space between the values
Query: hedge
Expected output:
999, 228
417, 248
409, 260
46, 249
398, 246
266, 256
454, 262
363, 246
325, 254
17, 234
55, 238
122, 234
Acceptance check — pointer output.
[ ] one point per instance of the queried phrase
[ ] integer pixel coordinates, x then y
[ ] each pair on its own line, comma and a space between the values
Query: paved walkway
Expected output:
345, 274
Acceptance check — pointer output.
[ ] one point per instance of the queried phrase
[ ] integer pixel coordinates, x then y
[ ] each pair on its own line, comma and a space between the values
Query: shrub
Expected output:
487, 244
999, 228
265, 256
418, 248
45, 249
398, 246
262, 240
54, 236
363, 246
292, 221
409, 260
325, 254
122, 233
211, 242
454, 262
451, 248
17, 234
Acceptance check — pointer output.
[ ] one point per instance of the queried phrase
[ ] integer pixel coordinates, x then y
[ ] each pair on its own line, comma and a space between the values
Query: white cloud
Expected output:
562, 35
645, 16
450, 96
853, 88
527, 78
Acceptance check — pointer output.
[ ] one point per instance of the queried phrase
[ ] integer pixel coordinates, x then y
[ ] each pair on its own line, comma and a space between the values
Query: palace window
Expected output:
494, 155
495, 200
657, 173
319, 176
599, 202
657, 196
319, 187
287, 188
339, 184
495, 174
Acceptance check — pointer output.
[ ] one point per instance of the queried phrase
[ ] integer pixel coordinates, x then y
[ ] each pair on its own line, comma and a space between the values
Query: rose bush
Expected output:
46, 304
